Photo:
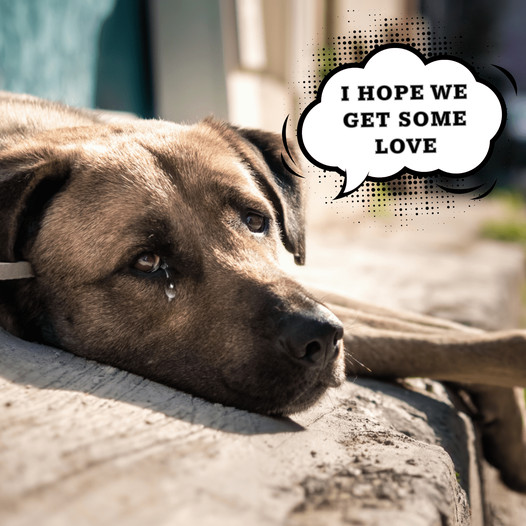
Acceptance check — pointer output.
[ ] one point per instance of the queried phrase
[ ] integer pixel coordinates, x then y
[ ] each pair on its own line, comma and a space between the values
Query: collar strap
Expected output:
18, 270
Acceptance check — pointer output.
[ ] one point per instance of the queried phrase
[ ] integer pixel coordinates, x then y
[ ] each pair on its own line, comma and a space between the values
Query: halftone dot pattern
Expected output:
407, 197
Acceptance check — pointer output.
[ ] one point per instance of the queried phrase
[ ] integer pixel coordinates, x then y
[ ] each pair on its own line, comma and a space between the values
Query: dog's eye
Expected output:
256, 222
147, 262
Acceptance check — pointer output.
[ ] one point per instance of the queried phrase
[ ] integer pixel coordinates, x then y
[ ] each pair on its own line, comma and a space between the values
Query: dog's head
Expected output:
154, 248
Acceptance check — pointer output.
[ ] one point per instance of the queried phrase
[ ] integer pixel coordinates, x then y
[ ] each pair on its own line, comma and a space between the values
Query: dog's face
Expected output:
155, 250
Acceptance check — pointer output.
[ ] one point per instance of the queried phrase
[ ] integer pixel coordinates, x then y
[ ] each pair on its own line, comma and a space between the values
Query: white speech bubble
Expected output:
397, 112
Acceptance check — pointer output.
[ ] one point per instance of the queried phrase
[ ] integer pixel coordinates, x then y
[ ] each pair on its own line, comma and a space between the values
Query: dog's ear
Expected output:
28, 183
283, 188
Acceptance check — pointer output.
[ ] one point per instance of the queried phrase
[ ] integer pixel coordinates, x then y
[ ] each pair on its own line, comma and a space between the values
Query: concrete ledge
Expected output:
85, 443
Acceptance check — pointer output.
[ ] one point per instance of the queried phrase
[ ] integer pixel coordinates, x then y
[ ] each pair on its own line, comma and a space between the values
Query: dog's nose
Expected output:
313, 340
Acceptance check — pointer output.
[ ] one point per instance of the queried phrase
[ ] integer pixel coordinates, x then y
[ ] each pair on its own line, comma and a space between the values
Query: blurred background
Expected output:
254, 62
244, 60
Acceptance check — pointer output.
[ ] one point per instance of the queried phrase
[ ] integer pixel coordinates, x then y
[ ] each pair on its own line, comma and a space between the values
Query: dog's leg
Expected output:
387, 344
385, 317
500, 416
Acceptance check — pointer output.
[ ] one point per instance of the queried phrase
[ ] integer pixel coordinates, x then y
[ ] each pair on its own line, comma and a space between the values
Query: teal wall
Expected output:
123, 77
49, 48
97, 53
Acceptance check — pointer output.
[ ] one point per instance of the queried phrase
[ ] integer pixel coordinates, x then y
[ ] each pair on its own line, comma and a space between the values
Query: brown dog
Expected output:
153, 248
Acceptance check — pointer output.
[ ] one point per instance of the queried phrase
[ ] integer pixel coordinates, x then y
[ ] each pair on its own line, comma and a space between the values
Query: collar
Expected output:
18, 270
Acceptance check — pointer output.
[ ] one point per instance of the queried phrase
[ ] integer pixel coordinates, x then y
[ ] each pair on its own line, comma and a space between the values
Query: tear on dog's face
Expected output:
154, 247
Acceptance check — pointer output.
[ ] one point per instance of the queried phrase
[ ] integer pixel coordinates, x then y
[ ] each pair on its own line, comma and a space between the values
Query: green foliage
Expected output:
512, 199
327, 60
378, 202
512, 228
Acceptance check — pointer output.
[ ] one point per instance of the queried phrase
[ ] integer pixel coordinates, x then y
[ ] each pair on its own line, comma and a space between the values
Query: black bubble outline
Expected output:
404, 170
509, 76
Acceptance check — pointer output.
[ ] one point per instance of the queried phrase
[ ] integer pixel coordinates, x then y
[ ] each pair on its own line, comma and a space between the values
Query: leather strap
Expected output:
18, 270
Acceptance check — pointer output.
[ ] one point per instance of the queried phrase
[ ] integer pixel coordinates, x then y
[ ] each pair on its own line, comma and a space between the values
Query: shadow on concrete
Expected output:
45, 367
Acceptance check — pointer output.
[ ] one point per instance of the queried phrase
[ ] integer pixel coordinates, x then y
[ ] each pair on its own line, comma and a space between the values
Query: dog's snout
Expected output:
313, 340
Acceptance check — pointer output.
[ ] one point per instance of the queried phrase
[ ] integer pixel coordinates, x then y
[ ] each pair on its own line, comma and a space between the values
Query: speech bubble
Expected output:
398, 112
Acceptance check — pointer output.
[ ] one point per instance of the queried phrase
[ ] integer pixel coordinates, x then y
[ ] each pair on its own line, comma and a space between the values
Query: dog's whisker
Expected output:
331, 399
349, 356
